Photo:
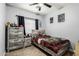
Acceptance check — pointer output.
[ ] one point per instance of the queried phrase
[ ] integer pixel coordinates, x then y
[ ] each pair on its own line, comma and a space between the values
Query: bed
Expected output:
51, 45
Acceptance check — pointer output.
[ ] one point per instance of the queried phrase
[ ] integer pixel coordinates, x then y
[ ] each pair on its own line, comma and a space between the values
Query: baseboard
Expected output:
2, 53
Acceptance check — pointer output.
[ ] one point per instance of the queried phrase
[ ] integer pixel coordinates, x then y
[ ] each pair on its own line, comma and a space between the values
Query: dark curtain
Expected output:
36, 24
21, 22
6, 38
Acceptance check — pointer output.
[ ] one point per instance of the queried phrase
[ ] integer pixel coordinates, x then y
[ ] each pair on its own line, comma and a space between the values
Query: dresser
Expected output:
77, 49
15, 38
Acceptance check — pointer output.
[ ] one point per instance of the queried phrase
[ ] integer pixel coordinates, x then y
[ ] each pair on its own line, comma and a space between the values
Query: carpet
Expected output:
32, 51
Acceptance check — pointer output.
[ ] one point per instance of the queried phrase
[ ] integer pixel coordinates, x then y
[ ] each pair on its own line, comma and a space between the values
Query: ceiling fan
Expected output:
39, 7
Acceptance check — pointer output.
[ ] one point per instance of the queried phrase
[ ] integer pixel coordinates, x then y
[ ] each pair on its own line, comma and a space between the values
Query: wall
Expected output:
68, 29
12, 12
2, 29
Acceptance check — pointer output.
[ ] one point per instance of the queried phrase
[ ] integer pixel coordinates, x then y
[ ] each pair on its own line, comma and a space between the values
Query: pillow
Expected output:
40, 39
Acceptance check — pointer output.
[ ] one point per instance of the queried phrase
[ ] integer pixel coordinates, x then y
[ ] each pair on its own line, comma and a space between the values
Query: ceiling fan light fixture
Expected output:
39, 8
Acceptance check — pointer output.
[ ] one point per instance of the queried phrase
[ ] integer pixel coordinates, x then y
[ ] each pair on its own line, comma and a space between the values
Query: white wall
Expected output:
2, 29
68, 29
12, 12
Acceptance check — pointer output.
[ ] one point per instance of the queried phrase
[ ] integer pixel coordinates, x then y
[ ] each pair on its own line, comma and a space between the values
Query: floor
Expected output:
28, 51
31, 51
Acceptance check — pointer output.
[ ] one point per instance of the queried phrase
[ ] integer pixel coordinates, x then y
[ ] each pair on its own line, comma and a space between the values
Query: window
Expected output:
29, 25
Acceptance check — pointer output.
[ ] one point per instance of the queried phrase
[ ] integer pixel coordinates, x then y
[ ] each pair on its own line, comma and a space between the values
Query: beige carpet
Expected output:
28, 51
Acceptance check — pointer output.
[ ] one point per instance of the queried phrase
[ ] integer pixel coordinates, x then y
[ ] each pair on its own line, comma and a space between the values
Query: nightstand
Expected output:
27, 42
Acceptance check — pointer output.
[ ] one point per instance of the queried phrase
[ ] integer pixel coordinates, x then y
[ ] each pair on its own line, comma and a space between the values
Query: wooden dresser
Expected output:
77, 49
15, 38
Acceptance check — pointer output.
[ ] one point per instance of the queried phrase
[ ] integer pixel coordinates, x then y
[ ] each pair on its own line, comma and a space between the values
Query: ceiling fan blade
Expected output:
33, 4
47, 5
40, 9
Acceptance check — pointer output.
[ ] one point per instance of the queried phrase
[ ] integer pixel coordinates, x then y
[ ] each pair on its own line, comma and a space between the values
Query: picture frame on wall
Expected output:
51, 20
61, 17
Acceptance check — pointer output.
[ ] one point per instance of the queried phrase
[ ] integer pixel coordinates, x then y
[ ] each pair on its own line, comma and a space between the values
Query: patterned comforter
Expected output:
54, 45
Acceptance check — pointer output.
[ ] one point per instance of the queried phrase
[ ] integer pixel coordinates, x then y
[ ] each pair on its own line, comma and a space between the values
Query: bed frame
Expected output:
50, 52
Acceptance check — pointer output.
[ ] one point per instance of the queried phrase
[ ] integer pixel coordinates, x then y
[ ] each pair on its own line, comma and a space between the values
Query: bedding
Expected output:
40, 39
50, 43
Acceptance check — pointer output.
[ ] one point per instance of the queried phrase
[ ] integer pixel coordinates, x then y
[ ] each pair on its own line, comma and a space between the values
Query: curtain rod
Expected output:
27, 17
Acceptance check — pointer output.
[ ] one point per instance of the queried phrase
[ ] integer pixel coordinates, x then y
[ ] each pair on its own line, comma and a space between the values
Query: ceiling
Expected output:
44, 10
